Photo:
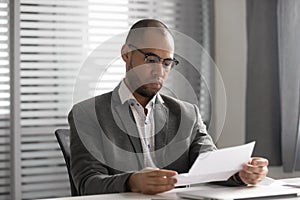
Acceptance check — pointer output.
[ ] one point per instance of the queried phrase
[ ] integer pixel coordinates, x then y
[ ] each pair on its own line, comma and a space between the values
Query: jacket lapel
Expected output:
126, 123
167, 124
161, 113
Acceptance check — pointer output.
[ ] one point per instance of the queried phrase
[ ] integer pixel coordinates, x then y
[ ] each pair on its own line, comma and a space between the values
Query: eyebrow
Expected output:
153, 54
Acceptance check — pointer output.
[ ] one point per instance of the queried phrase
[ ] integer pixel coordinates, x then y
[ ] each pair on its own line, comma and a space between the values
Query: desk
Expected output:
163, 196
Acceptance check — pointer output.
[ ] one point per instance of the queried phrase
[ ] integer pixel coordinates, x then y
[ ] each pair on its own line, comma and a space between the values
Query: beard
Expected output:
146, 88
146, 92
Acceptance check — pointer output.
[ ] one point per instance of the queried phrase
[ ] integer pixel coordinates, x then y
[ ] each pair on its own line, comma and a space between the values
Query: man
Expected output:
135, 139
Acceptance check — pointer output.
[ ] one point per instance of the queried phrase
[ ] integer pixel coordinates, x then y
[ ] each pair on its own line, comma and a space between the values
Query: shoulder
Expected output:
87, 110
91, 103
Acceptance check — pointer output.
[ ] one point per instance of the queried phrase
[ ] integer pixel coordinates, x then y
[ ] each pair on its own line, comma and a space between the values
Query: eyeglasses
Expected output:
168, 63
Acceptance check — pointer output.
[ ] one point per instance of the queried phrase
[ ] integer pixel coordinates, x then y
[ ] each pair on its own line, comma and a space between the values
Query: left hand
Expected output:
254, 171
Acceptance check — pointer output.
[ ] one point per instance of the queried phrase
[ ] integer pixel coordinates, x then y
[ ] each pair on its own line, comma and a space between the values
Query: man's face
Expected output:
145, 69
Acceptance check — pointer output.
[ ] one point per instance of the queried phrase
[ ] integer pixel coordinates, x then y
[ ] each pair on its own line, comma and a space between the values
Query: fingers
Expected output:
162, 181
161, 177
259, 161
158, 181
152, 182
251, 178
162, 173
254, 171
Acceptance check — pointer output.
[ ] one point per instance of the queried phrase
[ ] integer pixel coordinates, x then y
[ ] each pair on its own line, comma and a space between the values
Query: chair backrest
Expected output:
63, 138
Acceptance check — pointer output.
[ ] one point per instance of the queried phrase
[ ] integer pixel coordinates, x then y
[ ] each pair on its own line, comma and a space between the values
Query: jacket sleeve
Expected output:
202, 141
89, 174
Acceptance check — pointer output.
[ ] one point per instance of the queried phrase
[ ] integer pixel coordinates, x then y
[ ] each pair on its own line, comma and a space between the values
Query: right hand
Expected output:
152, 182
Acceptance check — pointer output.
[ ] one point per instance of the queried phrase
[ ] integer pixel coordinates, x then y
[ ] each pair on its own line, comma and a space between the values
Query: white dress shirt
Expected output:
145, 123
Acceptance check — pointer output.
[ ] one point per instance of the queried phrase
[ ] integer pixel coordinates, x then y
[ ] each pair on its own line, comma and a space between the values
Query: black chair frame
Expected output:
63, 138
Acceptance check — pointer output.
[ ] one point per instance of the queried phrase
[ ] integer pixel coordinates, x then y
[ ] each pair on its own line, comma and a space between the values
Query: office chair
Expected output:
63, 138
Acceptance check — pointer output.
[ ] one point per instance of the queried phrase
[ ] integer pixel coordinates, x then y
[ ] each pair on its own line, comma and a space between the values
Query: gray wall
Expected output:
231, 51
231, 61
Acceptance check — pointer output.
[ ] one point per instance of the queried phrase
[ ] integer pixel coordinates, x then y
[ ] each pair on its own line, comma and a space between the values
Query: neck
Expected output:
141, 99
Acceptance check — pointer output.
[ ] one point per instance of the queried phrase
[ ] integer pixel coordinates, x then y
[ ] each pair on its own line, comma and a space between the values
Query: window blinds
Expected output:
4, 103
55, 38
51, 41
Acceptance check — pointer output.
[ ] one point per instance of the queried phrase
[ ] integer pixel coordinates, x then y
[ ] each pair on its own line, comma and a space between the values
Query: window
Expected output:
55, 39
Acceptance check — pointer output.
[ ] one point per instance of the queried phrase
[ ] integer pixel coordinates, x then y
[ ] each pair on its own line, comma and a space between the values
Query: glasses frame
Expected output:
162, 60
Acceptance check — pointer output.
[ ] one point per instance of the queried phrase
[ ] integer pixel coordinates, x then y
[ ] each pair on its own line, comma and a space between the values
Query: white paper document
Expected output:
216, 165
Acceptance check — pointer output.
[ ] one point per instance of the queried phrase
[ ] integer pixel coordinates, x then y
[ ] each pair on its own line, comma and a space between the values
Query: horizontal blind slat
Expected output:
43, 122
46, 191
5, 165
55, 2
45, 114
4, 173
50, 57
43, 178
42, 170
4, 181
54, 9
46, 97
65, 65
42, 154
52, 17
46, 130
39, 146
46, 89
47, 81
4, 140
48, 73
48, 26
42, 162
4, 148
52, 41
5, 189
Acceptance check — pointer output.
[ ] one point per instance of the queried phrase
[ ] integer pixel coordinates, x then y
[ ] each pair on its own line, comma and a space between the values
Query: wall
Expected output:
231, 60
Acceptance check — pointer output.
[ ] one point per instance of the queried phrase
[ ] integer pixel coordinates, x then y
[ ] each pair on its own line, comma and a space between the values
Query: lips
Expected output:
156, 85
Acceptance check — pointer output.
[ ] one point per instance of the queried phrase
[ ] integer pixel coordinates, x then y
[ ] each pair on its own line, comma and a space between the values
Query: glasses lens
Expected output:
168, 62
151, 59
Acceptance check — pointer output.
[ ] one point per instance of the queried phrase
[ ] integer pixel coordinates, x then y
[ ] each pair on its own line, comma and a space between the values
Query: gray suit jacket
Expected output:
106, 148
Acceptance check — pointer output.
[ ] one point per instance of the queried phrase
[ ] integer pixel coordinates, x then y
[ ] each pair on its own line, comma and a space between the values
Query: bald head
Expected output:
150, 33
136, 31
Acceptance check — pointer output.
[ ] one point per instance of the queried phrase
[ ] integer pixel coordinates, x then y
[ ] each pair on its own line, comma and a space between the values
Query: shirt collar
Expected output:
124, 92
126, 95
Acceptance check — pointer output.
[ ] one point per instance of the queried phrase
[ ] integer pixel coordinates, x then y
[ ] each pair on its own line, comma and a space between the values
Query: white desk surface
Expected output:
170, 195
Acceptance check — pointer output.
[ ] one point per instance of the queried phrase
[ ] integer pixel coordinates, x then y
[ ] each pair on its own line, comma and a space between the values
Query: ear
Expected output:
125, 53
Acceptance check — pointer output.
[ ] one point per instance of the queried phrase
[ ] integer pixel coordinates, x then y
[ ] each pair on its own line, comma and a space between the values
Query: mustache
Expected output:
154, 80
134, 84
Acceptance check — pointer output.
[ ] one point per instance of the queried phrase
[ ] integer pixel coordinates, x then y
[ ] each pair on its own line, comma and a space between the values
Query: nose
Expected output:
158, 70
